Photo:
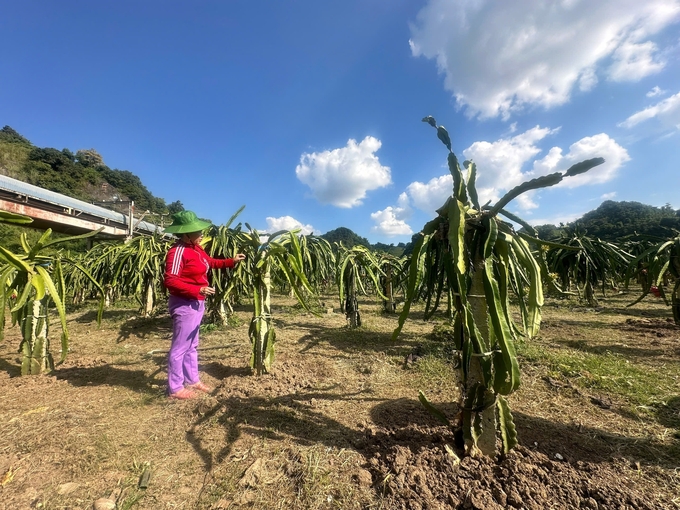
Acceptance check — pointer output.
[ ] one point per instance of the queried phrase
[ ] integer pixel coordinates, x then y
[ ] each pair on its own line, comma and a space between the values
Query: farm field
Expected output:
337, 423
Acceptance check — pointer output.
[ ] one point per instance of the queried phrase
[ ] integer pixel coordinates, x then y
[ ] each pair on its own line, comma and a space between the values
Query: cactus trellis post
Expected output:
475, 258
355, 265
281, 252
36, 280
391, 268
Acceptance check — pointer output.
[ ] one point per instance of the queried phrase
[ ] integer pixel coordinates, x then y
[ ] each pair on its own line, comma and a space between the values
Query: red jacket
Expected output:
186, 269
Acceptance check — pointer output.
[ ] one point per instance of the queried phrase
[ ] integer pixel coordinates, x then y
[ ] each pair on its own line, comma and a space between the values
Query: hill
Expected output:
82, 175
613, 221
349, 239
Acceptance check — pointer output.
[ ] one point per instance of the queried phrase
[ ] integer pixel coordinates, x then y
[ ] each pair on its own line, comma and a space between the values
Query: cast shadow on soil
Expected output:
221, 371
9, 368
115, 315
638, 312
577, 442
298, 417
586, 324
401, 422
355, 340
144, 327
668, 415
105, 374
632, 352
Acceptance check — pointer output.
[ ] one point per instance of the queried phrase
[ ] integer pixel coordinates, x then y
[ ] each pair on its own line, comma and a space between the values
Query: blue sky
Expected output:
309, 112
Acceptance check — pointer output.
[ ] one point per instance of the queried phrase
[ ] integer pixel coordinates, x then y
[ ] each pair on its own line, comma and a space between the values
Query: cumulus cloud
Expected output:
500, 163
287, 223
431, 195
391, 221
342, 177
666, 113
526, 53
508, 162
600, 145
608, 196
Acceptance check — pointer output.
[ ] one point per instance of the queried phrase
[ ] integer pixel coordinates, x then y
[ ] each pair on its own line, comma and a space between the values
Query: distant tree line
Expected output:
615, 221
350, 239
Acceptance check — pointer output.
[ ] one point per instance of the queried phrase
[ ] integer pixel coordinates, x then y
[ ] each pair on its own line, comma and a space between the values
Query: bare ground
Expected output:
337, 422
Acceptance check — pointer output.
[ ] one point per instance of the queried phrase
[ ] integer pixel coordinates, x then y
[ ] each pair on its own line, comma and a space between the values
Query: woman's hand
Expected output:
239, 257
206, 291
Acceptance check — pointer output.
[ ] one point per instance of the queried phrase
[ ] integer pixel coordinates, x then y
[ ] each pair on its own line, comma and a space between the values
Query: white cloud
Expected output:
499, 164
600, 145
430, 196
287, 223
666, 112
656, 91
389, 224
634, 61
608, 196
391, 221
523, 53
502, 165
342, 177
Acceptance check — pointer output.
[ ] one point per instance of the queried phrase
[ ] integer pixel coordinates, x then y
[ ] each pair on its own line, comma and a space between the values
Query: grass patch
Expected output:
607, 371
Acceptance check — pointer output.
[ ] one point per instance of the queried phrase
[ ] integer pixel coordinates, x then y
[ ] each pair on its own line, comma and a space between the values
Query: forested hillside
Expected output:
612, 221
346, 237
82, 175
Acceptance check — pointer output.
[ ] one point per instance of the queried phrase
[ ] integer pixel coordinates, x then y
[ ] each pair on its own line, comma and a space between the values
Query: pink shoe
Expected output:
200, 387
183, 394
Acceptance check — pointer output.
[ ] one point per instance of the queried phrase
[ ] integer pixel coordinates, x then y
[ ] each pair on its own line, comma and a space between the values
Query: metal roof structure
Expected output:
66, 214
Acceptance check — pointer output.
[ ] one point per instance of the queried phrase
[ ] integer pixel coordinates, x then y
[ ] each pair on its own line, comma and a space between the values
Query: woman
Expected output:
186, 278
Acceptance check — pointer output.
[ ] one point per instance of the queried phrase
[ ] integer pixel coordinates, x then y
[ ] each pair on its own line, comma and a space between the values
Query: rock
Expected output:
67, 488
222, 504
514, 499
363, 477
500, 496
590, 503
104, 504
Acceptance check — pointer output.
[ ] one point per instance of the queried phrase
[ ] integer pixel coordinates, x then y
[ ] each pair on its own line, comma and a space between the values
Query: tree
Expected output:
175, 207
7, 134
89, 158
477, 259
345, 236
391, 277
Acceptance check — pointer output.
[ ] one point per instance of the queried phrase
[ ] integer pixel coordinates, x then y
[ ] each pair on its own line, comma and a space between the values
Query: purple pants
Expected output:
183, 358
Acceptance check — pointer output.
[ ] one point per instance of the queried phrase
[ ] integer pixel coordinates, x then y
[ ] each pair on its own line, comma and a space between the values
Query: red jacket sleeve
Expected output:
221, 263
218, 263
173, 269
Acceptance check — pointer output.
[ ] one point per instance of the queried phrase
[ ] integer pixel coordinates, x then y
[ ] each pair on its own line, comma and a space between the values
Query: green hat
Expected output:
185, 222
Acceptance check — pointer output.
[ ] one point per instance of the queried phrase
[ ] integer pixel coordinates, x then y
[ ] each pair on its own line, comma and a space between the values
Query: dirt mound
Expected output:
431, 478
